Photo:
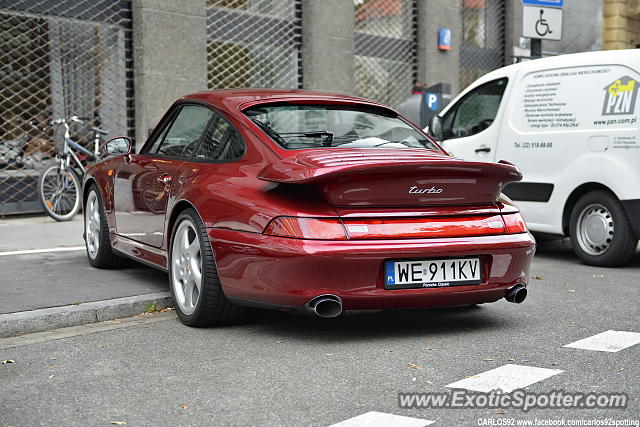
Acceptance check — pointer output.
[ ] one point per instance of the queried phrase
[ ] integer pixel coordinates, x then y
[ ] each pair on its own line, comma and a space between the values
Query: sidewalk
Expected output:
37, 232
46, 281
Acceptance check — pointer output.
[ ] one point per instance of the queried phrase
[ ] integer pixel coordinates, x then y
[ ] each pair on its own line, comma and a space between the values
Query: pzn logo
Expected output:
620, 97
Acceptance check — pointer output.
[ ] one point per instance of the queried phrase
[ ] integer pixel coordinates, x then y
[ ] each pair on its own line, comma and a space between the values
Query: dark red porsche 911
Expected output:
293, 199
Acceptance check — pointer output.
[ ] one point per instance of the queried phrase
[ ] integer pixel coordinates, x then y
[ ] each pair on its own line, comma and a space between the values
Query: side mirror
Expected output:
118, 146
435, 128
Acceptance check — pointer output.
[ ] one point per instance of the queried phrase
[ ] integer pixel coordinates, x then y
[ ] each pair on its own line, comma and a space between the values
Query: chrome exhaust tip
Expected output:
517, 294
326, 305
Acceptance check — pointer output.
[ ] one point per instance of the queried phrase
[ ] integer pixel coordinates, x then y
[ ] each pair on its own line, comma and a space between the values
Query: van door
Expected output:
468, 128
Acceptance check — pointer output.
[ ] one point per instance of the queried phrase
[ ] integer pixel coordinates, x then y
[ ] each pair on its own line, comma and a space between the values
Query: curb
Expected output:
27, 322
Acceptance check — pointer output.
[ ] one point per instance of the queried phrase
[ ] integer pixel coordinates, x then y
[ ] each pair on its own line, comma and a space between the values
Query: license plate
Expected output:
432, 273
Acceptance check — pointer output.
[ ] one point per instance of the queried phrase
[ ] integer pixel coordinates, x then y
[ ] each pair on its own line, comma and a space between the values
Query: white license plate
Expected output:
432, 273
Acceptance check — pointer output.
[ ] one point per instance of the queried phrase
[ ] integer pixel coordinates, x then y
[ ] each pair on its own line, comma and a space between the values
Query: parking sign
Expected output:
432, 100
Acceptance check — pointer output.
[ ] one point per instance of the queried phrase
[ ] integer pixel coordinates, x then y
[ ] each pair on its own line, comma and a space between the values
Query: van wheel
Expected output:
600, 231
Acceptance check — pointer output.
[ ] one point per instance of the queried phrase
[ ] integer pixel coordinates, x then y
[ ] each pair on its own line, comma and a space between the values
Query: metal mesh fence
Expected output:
385, 45
58, 58
483, 38
254, 43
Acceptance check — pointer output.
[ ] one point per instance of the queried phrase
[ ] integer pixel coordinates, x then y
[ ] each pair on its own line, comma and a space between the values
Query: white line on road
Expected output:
381, 419
506, 378
43, 251
611, 341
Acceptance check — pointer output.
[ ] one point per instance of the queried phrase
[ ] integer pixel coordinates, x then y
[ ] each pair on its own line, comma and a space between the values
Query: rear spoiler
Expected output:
308, 168
398, 178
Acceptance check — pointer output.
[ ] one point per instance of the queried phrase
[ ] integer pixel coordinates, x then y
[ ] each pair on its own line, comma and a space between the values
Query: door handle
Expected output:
483, 149
165, 179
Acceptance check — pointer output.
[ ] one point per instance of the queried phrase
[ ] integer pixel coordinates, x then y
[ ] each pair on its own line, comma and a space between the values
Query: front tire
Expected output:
59, 192
96, 232
193, 278
600, 231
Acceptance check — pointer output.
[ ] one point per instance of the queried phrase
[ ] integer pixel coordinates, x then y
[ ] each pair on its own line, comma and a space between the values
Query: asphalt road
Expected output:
277, 369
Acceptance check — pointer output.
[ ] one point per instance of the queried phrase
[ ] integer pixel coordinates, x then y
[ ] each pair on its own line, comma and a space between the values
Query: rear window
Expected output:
301, 126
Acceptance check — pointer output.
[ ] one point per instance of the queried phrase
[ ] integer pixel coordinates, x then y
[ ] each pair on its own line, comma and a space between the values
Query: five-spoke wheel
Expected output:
186, 267
96, 232
92, 224
195, 286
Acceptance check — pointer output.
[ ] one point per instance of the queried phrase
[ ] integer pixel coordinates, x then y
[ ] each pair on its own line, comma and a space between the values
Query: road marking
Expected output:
506, 378
43, 251
611, 341
381, 419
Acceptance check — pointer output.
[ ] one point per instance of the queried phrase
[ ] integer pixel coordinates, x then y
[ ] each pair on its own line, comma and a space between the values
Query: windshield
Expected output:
315, 126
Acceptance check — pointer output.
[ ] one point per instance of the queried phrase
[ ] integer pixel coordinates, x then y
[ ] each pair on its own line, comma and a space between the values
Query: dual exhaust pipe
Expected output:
331, 305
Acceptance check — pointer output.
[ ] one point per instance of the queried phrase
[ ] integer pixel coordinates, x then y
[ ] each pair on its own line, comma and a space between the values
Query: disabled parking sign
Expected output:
542, 23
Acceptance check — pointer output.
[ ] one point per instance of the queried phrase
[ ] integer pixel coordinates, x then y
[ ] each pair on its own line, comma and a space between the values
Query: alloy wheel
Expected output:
92, 224
186, 267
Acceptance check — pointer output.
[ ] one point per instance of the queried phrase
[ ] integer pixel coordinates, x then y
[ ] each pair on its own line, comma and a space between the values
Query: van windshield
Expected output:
301, 126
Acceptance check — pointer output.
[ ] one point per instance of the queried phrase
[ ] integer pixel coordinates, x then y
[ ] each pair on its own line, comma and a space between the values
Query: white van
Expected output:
570, 124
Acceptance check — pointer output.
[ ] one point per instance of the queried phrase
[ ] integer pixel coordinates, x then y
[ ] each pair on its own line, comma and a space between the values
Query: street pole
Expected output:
536, 48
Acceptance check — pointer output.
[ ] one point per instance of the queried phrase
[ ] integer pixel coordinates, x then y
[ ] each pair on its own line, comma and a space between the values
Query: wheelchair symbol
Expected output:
542, 28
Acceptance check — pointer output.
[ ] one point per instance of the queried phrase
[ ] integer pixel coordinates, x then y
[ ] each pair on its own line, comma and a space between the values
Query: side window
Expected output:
475, 112
221, 142
182, 136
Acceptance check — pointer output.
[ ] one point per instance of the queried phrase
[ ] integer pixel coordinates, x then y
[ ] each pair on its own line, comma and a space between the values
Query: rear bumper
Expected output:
289, 272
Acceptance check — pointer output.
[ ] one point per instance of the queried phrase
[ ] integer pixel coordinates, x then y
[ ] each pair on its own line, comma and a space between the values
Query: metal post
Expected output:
536, 48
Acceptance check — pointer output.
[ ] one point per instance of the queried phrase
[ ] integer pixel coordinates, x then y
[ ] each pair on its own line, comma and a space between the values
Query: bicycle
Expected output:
59, 185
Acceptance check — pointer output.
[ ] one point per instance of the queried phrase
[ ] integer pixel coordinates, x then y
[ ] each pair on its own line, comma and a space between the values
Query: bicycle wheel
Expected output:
59, 192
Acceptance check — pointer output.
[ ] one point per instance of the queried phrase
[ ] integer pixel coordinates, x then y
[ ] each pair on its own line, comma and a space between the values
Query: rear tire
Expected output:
193, 277
59, 192
600, 231
96, 232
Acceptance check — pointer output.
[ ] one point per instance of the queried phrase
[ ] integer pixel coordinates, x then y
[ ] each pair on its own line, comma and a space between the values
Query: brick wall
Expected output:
621, 24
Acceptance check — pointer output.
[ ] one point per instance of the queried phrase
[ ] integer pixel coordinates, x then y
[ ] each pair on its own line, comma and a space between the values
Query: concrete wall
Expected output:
328, 45
436, 66
169, 57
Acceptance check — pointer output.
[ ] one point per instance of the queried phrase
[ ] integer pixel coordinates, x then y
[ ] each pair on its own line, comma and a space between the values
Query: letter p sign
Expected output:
432, 101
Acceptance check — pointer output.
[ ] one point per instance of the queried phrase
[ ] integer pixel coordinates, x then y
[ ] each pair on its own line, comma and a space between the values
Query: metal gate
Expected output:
386, 49
254, 43
58, 58
483, 38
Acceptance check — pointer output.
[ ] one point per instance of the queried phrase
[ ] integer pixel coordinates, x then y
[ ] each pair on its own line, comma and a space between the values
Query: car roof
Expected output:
232, 100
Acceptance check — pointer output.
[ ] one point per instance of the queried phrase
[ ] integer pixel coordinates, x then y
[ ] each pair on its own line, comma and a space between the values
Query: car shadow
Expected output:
365, 326
560, 249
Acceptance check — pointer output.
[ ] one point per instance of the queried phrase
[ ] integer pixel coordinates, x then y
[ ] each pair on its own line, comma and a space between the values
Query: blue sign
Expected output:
391, 274
544, 3
444, 39
432, 100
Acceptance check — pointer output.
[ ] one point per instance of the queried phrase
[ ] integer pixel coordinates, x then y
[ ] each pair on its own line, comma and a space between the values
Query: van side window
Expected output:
475, 112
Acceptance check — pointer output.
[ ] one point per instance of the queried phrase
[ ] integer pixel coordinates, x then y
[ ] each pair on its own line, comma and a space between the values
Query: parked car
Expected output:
299, 200
570, 124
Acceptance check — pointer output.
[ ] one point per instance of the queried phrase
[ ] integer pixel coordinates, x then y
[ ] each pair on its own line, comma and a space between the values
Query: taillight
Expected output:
395, 228
514, 223
424, 227
306, 228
